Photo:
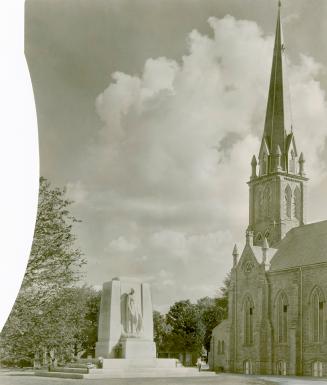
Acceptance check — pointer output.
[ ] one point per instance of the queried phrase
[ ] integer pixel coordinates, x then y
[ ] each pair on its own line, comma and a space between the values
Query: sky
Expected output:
149, 113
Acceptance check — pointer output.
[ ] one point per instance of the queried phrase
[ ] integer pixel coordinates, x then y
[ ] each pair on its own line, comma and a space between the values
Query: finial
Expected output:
235, 250
265, 247
249, 237
301, 164
278, 155
279, 3
265, 244
235, 255
254, 167
254, 161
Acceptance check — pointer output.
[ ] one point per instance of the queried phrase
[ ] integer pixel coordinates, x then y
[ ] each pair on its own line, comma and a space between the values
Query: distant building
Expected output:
277, 316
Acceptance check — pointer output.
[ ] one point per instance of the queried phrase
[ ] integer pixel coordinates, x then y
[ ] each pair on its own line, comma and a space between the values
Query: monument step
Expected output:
76, 365
126, 363
73, 376
149, 372
82, 370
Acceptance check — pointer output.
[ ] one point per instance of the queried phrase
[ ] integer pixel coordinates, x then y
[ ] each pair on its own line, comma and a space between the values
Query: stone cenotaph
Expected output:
126, 321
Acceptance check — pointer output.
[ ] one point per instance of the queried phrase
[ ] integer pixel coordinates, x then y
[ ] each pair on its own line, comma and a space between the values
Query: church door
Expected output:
247, 367
317, 369
281, 368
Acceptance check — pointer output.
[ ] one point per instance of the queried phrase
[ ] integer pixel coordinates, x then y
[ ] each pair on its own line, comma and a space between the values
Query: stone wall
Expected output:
267, 355
219, 353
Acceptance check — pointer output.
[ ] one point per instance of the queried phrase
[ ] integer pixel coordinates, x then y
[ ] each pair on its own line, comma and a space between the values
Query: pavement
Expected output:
26, 378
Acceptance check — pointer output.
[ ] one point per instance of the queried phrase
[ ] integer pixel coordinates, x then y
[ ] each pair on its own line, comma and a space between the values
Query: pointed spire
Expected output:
254, 161
265, 244
235, 255
265, 247
278, 155
276, 120
301, 164
249, 237
254, 164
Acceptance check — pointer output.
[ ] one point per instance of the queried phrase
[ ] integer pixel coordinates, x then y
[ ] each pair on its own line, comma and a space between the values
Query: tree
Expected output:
49, 309
55, 262
212, 312
89, 332
224, 290
188, 327
187, 330
162, 333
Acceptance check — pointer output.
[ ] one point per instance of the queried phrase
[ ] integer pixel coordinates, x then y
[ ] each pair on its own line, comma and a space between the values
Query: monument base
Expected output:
105, 349
138, 348
138, 363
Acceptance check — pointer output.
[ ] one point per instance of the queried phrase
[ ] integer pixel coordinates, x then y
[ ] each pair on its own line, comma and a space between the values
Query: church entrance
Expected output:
247, 367
281, 368
317, 369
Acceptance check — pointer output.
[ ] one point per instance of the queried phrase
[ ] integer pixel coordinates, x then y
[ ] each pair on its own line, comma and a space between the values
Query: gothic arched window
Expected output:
248, 321
288, 201
222, 347
258, 203
297, 203
281, 317
317, 315
267, 200
219, 349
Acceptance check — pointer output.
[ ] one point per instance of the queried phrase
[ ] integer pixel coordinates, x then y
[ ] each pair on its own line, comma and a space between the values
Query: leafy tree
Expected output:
188, 327
212, 312
89, 332
224, 290
50, 309
187, 330
162, 333
55, 262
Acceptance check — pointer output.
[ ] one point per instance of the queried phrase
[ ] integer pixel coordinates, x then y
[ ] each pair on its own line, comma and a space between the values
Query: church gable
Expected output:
248, 263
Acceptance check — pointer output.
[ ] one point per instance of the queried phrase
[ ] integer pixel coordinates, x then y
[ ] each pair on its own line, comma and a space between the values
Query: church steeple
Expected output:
278, 121
277, 191
275, 130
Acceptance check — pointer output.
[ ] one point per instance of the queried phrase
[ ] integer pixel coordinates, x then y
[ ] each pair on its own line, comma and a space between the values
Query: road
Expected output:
7, 378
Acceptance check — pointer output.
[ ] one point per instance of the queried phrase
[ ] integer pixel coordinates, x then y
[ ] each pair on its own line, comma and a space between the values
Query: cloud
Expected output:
122, 245
310, 115
77, 192
168, 170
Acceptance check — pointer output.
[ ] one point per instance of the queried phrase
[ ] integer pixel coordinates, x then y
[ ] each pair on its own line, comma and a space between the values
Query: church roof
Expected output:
304, 245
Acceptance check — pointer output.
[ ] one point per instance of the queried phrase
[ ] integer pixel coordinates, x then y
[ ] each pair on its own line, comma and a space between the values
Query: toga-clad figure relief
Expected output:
133, 322
126, 321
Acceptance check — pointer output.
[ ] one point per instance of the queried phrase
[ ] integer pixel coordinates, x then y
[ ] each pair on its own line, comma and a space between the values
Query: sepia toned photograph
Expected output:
181, 228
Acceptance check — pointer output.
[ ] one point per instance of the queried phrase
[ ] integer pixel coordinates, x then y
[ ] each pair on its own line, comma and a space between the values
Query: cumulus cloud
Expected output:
77, 192
169, 168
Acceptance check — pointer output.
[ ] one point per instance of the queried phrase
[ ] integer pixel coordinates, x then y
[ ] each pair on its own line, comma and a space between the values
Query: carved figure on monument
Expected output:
126, 320
134, 320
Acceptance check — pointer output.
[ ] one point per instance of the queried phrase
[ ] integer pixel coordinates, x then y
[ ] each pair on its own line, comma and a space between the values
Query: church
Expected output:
277, 312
